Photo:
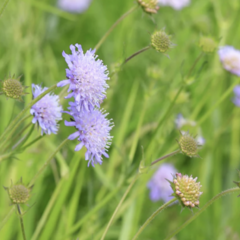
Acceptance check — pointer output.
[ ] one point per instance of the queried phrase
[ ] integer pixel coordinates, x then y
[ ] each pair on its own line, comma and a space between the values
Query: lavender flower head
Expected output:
75, 6
92, 131
230, 58
47, 111
176, 4
159, 186
86, 78
236, 99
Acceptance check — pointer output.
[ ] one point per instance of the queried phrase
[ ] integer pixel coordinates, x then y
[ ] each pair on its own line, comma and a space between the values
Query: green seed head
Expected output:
207, 44
186, 190
149, 6
161, 41
188, 145
13, 88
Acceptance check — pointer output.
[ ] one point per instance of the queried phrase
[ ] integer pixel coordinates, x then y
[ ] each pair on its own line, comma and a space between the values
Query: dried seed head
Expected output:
207, 44
12, 87
149, 6
19, 193
188, 145
186, 190
161, 41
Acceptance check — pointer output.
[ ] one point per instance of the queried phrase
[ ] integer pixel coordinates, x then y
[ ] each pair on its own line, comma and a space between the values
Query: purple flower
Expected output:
236, 99
92, 131
230, 58
159, 186
47, 111
176, 4
77, 6
86, 78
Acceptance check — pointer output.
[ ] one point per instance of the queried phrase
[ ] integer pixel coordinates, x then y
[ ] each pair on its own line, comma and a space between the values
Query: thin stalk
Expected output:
136, 53
5, 156
3, 7
31, 143
153, 216
194, 64
46, 163
119, 205
7, 217
232, 190
113, 26
21, 221
21, 114
166, 156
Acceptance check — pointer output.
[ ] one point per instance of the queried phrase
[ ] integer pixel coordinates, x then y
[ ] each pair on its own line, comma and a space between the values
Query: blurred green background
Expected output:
33, 35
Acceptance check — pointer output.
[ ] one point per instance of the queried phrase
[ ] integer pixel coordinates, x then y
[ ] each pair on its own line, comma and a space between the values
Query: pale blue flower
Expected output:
75, 6
86, 78
230, 58
158, 185
92, 131
47, 111
176, 4
236, 99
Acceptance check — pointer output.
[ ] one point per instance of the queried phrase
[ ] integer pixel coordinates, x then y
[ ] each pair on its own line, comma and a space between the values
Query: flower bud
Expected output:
207, 44
188, 145
19, 193
186, 190
161, 41
149, 6
13, 88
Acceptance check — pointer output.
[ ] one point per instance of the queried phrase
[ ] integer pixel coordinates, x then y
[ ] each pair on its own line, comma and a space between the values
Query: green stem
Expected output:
46, 163
21, 114
166, 156
7, 217
119, 205
21, 221
136, 53
232, 190
113, 26
31, 143
194, 64
3, 7
153, 216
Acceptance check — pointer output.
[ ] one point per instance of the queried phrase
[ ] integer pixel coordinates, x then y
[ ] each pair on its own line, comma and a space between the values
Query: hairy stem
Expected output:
232, 190
153, 216
136, 53
166, 156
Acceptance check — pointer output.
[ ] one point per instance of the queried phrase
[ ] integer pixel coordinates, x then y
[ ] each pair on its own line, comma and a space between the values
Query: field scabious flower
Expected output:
236, 99
159, 186
47, 111
176, 4
75, 6
86, 78
230, 58
92, 131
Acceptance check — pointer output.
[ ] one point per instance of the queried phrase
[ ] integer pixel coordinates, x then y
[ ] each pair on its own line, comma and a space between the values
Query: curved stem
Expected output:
113, 26
166, 156
136, 53
21, 114
153, 216
194, 64
46, 163
21, 221
232, 190
119, 205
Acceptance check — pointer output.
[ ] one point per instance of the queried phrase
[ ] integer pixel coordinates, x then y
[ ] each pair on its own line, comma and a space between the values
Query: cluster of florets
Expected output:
186, 190
149, 6
86, 77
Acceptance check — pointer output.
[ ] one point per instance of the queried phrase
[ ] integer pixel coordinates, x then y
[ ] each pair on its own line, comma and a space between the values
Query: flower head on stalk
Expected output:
75, 6
47, 111
149, 6
92, 131
176, 4
186, 190
86, 77
230, 58
159, 186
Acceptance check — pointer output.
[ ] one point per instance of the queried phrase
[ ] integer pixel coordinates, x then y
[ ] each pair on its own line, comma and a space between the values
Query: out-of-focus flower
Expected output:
236, 99
75, 6
13, 88
200, 140
159, 186
149, 6
92, 131
230, 58
180, 121
207, 44
47, 111
176, 4
86, 78
186, 190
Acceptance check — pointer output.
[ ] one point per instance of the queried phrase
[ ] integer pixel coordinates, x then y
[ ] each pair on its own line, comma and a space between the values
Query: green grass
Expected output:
68, 193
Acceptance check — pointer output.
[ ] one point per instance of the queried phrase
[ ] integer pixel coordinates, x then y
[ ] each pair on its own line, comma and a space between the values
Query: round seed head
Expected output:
207, 44
161, 41
149, 6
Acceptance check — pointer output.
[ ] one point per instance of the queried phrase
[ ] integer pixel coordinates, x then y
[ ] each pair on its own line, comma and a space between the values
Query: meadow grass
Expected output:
71, 200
